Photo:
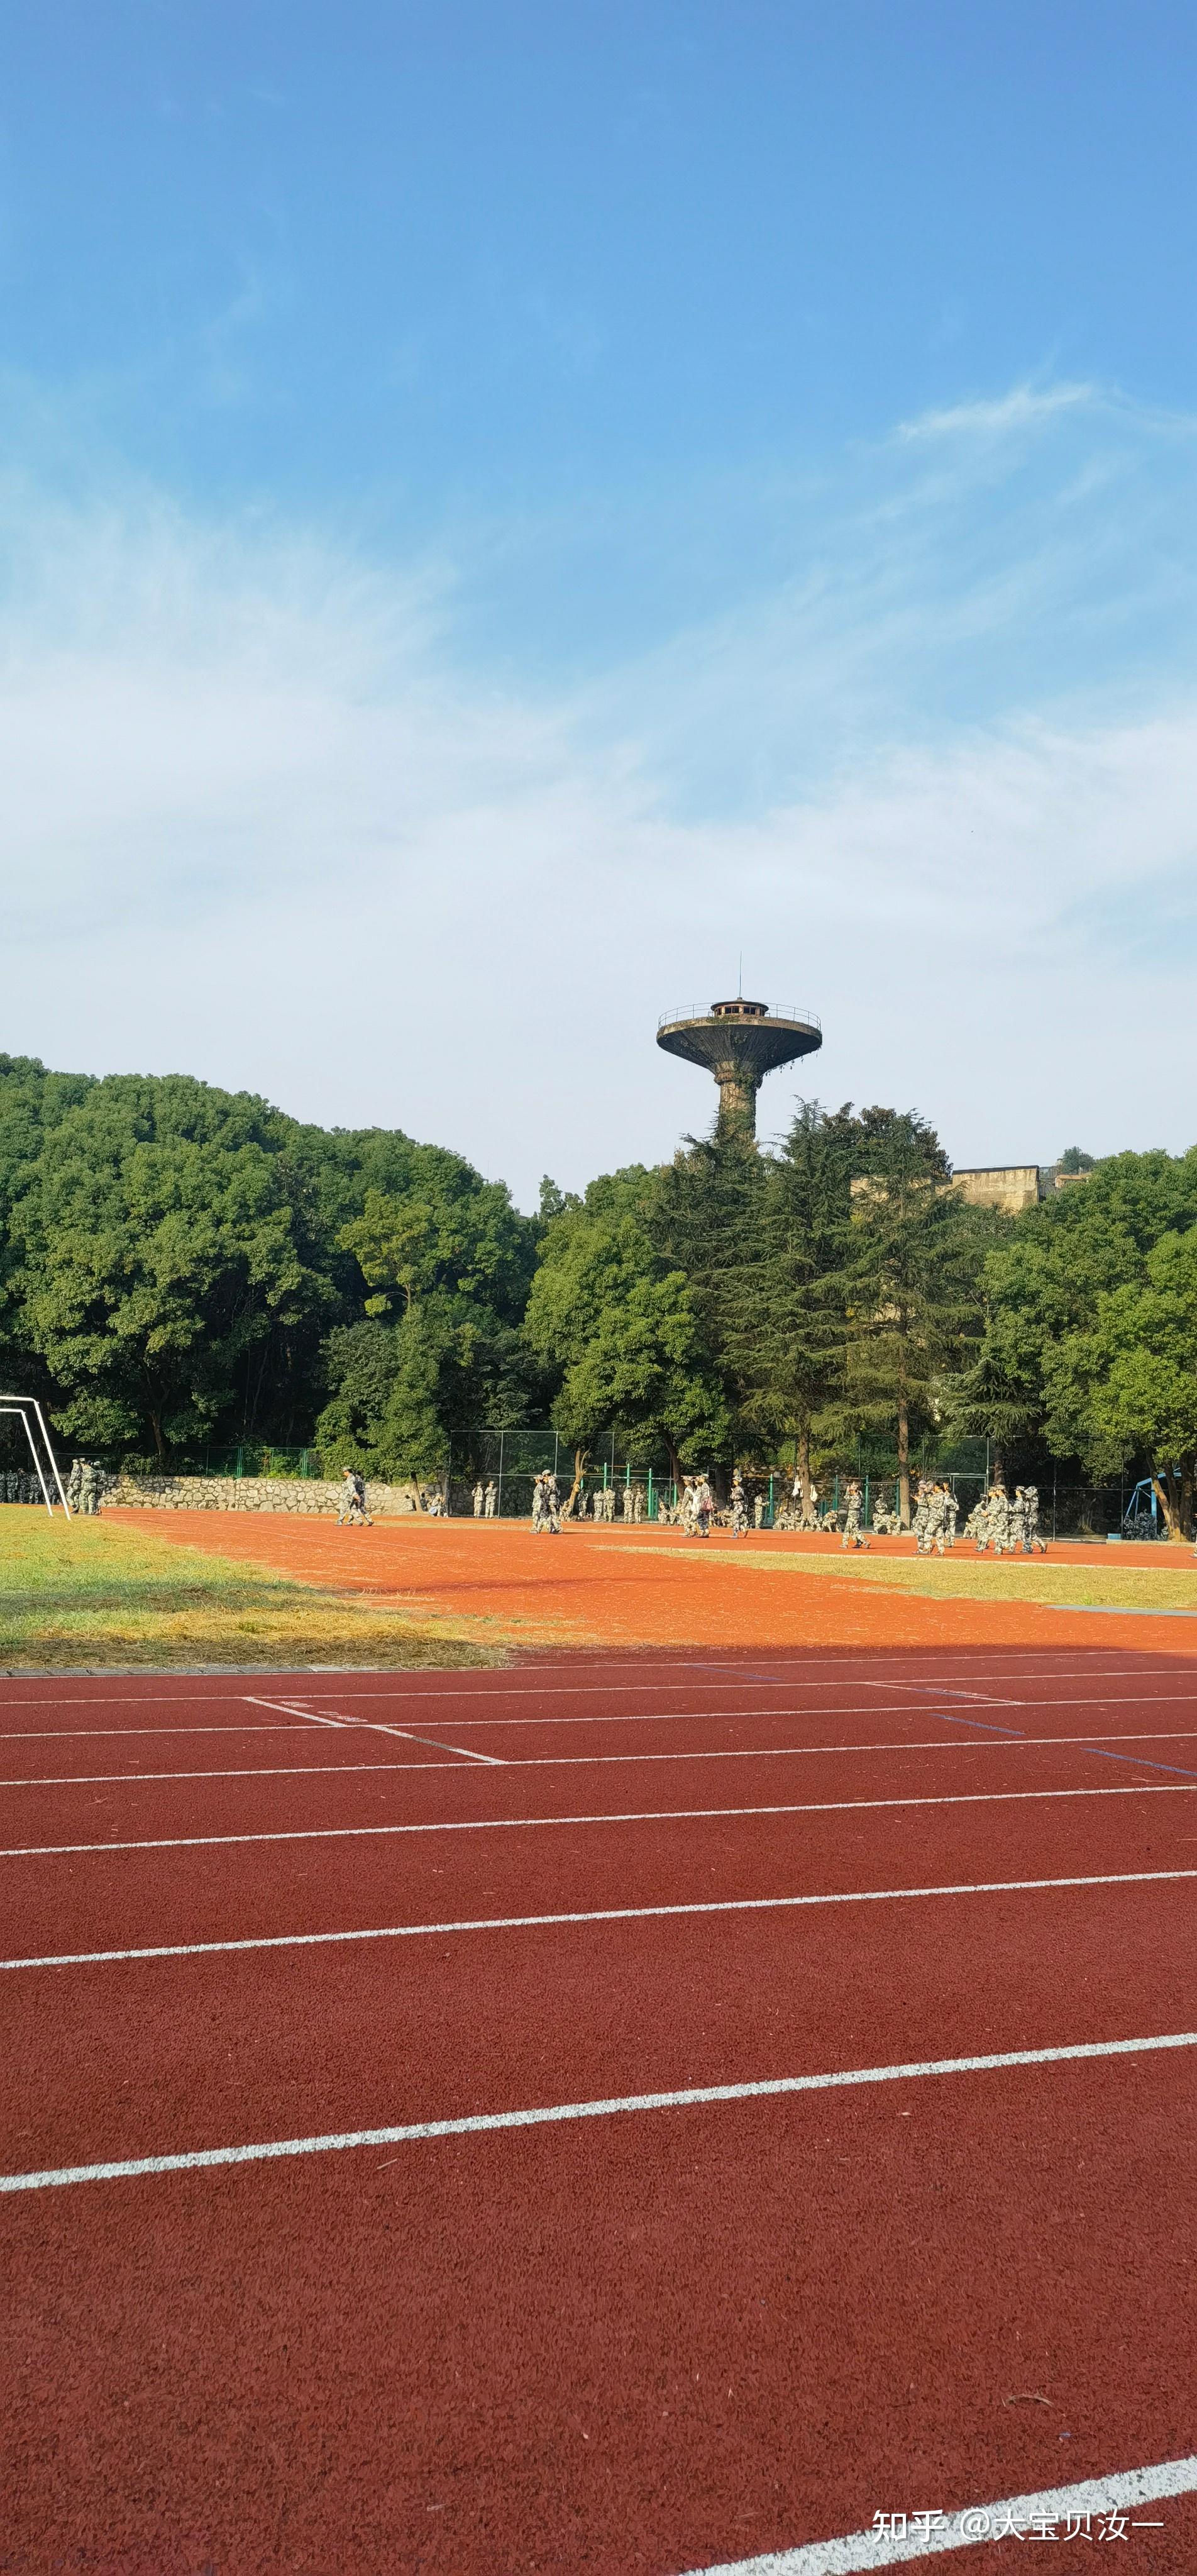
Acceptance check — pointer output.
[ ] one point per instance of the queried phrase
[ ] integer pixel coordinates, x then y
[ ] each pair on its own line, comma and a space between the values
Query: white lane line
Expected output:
321, 1770
592, 1761
720, 1716
697, 2096
605, 1717
519, 1688
375, 1726
933, 1685
599, 1914
105, 1734
288, 1709
1038, 1665
945, 1690
1089, 2500
636, 1816
623, 1717
465, 1751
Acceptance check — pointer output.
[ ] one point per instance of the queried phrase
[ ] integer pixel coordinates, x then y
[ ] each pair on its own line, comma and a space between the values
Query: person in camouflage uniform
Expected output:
739, 1507
479, 1499
852, 1530
998, 1520
935, 1526
89, 1487
353, 1500
488, 1508
1030, 1496
74, 1484
951, 1514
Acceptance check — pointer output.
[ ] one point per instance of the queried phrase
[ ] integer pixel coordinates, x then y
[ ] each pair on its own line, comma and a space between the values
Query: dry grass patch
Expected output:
89, 1593
984, 1578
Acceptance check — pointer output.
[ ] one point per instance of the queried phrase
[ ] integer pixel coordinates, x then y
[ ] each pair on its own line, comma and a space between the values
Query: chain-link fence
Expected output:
496, 1479
250, 1458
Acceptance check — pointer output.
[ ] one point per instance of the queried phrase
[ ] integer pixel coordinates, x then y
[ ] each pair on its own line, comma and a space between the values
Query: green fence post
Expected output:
650, 1493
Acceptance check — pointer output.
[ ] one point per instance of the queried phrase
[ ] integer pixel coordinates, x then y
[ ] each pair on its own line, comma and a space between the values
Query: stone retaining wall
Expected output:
315, 1495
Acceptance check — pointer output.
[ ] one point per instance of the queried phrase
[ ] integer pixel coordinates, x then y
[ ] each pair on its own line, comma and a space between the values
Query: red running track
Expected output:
657, 2340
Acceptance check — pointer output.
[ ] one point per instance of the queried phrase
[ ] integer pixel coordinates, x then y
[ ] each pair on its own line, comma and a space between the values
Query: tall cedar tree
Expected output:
764, 1240
913, 1290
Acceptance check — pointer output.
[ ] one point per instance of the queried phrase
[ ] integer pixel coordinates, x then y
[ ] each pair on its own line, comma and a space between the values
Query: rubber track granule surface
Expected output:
628, 2113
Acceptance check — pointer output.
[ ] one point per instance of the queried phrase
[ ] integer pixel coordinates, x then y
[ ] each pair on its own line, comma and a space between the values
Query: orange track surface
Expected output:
605, 1586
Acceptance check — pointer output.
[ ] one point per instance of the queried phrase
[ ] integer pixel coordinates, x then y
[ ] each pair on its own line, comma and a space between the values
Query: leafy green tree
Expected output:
619, 1327
458, 1257
397, 1243
32, 1101
1126, 1384
441, 1227
407, 1395
160, 1254
385, 1415
1090, 1321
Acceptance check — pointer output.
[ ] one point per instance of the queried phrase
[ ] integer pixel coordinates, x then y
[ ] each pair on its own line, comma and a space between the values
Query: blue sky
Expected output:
504, 507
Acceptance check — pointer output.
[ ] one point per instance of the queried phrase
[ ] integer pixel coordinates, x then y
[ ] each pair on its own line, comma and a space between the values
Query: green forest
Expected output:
188, 1272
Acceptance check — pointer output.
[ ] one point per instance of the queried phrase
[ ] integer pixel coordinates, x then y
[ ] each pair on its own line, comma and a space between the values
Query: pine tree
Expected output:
913, 1291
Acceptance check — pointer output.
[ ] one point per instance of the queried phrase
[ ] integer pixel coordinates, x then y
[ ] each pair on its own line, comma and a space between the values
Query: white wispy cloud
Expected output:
1024, 407
262, 818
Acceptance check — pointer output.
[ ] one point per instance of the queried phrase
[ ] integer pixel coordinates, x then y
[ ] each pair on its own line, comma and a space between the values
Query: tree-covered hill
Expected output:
184, 1270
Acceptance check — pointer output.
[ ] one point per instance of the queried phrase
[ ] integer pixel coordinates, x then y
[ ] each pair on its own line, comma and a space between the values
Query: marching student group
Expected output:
1007, 1526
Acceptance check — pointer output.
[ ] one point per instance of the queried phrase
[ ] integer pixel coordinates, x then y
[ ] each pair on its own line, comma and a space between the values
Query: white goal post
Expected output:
27, 1406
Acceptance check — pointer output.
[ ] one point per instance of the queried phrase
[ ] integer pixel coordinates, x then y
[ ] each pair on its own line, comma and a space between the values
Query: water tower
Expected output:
739, 1042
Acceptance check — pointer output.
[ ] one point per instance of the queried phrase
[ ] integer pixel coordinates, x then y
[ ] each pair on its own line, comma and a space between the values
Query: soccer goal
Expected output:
42, 1448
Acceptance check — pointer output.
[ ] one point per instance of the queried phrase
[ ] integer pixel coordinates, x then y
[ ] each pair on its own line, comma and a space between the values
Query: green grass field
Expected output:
89, 1593
965, 1577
